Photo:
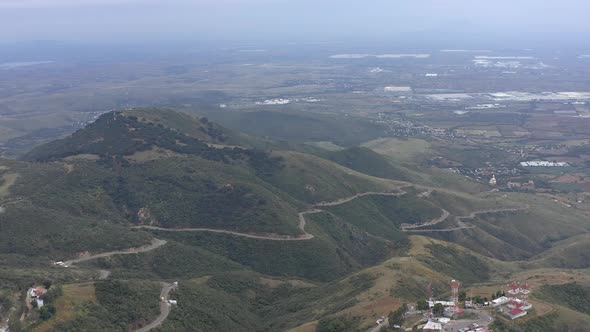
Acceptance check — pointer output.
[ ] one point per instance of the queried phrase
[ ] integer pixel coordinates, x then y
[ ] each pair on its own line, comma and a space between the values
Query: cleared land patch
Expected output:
403, 149
66, 305
7, 181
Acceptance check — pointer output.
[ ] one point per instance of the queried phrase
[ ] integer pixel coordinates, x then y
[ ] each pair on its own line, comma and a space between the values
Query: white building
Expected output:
500, 301
444, 303
543, 163
444, 320
432, 327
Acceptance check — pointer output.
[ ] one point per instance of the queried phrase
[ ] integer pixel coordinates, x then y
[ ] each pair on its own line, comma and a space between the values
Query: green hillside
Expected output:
367, 161
298, 127
271, 239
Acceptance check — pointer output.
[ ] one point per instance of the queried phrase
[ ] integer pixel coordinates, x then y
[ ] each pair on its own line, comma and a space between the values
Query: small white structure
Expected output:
397, 89
543, 163
172, 302
444, 303
500, 301
431, 75
493, 181
444, 320
432, 327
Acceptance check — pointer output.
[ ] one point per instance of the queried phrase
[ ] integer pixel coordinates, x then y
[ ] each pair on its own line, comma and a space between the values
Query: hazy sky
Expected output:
260, 20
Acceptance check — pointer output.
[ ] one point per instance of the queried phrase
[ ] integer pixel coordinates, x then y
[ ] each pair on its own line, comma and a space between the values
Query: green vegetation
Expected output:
194, 192
200, 128
546, 323
50, 233
438, 310
397, 317
298, 127
174, 260
383, 215
456, 263
173, 170
114, 135
337, 324
369, 162
571, 295
120, 306
238, 302
312, 179
336, 250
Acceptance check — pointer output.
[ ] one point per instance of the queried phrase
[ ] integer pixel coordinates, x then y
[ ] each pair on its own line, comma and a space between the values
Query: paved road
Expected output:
164, 308
156, 243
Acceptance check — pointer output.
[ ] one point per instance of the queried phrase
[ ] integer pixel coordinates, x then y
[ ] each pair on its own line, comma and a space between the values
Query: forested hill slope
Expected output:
167, 169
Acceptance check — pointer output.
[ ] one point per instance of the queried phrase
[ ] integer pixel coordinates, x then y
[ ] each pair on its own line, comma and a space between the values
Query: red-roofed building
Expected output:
515, 313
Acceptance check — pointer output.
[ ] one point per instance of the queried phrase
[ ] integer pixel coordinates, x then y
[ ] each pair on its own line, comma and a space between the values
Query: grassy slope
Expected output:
313, 179
170, 186
297, 127
570, 253
119, 306
367, 161
408, 158
383, 215
336, 250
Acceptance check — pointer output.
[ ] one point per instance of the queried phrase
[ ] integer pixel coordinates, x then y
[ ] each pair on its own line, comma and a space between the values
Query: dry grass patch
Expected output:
73, 296
83, 156
274, 283
7, 181
149, 155
403, 149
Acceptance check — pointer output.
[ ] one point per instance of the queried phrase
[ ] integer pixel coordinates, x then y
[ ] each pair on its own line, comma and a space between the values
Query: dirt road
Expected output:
277, 237
350, 198
154, 245
435, 221
460, 224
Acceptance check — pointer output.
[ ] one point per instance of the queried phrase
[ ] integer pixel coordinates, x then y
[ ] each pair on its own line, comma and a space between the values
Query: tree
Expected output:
47, 284
331, 325
397, 317
422, 305
462, 296
34, 303
438, 309
47, 312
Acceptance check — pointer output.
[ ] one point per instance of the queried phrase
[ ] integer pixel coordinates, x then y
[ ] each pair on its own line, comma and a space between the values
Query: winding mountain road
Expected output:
369, 193
278, 237
156, 243
443, 217
460, 224
165, 307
